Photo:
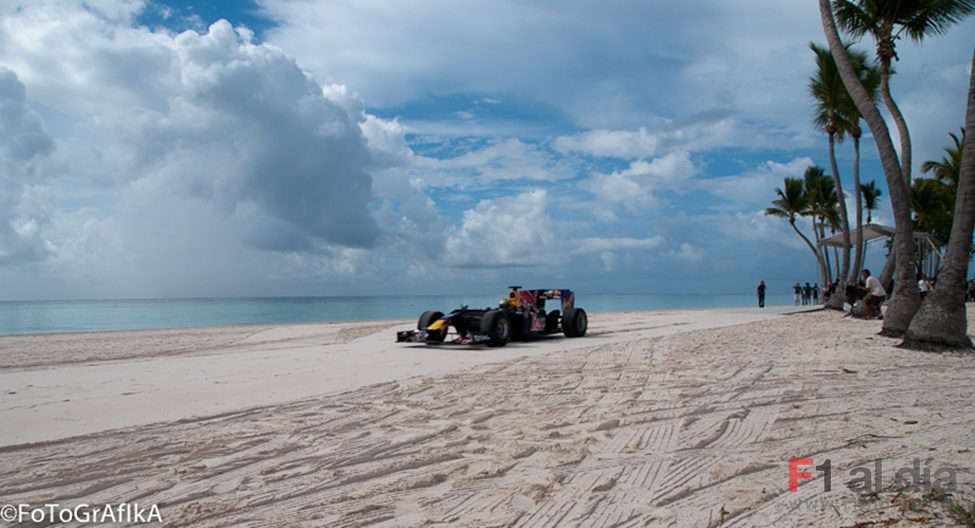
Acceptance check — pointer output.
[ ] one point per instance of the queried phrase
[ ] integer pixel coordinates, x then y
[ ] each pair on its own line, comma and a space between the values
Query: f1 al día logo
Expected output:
916, 477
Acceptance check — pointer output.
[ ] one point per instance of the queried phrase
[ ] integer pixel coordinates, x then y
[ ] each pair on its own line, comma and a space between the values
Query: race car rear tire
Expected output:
427, 319
496, 325
575, 322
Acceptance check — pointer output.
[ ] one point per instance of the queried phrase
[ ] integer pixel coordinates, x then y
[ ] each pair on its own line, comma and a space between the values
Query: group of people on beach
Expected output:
806, 294
869, 289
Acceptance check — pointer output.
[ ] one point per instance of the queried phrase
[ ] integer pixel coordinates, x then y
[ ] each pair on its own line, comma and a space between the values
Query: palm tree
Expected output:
831, 98
870, 77
947, 170
904, 301
871, 194
931, 203
793, 202
822, 207
887, 21
942, 320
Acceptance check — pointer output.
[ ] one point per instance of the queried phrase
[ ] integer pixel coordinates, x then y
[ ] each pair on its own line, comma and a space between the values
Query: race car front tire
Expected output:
427, 319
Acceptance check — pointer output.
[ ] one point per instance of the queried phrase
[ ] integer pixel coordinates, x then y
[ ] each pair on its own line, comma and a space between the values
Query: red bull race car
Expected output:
519, 316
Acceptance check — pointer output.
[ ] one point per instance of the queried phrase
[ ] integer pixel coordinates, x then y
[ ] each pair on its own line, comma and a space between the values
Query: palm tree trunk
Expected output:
825, 250
887, 274
942, 321
858, 260
895, 112
819, 259
843, 274
904, 302
823, 270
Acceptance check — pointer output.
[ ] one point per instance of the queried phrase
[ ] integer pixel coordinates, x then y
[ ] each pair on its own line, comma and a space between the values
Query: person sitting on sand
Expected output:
875, 294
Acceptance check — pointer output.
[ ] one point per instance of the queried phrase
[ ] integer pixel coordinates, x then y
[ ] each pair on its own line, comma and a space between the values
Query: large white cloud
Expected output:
24, 200
176, 149
210, 116
503, 232
634, 187
518, 231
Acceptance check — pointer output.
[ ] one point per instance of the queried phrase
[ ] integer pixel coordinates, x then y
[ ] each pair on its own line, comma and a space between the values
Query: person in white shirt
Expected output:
923, 287
875, 294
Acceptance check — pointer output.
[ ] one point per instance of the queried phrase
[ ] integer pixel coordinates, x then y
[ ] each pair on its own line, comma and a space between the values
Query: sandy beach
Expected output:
667, 418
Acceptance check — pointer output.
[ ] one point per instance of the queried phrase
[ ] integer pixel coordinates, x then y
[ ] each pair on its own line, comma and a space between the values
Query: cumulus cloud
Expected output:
614, 143
506, 160
688, 253
517, 230
506, 231
603, 244
691, 133
634, 187
233, 123
24, 203
193, 147
269, 136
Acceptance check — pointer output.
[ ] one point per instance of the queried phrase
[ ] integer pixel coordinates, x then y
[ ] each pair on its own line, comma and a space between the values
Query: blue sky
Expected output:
307, 147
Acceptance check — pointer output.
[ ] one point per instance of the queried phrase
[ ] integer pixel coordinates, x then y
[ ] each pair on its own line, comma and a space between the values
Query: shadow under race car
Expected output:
519, 316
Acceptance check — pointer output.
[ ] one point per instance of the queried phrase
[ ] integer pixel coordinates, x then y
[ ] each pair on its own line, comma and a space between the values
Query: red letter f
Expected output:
795, 474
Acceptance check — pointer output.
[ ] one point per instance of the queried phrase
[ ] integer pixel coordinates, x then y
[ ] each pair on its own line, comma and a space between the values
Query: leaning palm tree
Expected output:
942, 320
792, 202
904, 301
831, 99
887, 21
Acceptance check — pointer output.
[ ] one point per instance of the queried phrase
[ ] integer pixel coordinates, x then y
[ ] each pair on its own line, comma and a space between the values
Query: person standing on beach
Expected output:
815, 293
797, 289
875, 294
761, 294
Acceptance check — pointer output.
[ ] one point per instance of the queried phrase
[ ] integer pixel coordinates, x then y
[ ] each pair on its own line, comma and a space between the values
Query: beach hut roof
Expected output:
870, 232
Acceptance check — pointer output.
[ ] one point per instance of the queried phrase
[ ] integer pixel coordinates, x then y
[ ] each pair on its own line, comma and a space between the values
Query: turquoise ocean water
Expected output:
33, 317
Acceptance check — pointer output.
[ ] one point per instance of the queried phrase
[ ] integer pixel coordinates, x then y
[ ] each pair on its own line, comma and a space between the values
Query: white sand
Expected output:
655, 418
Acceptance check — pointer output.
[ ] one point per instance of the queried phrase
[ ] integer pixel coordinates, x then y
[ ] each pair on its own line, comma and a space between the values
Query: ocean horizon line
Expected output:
84, 315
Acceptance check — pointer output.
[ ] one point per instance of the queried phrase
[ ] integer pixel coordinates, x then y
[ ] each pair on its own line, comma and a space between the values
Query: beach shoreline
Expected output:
653, 417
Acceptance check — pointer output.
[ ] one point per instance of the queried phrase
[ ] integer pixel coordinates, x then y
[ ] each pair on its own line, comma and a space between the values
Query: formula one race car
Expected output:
522, 314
